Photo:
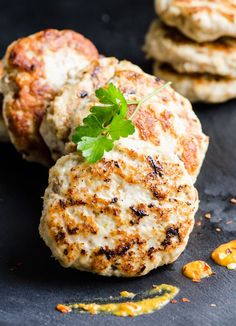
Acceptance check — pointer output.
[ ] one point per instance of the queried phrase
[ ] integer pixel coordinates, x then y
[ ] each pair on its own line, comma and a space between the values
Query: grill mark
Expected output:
71, 202
139, 213
170, 233
98, 205
157, 168
133, 178
60, 236
111, 253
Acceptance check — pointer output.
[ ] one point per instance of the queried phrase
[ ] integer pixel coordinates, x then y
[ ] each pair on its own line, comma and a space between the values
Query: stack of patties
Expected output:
133, 209
195, 48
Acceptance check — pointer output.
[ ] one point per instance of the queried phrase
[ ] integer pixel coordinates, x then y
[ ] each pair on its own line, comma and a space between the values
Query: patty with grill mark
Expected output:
119, 216
166, 120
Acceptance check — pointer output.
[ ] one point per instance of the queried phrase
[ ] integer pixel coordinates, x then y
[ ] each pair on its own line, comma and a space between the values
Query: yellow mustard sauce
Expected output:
154, 299
196, 270
126, 294
225, 255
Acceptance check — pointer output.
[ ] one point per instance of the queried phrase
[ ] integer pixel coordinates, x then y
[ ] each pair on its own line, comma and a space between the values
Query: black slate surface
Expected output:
32, 283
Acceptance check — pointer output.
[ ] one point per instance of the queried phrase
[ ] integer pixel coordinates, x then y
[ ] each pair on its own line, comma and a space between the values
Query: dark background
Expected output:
31, 282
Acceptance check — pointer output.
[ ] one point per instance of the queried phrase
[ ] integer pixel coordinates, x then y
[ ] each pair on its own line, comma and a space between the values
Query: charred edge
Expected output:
72, 231
139, 213
117, 164
110, 253
70, 202
107, 180
62, 204
83, 94
157, 195
15, 61
156, 168
60, 236
114, 200
170, 233
151, 250
142, 268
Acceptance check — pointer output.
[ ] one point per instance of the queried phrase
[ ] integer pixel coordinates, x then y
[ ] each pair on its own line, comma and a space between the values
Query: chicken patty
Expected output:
166, 119
166, 44
123, 216
34, 70
198, 87
201, 20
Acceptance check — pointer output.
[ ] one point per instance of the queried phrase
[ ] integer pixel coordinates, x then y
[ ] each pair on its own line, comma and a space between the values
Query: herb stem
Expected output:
132, 102
146, 98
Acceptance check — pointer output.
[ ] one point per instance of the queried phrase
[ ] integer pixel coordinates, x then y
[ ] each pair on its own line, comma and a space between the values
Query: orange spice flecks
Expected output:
196, 270
225, 255
62, 308
185, 300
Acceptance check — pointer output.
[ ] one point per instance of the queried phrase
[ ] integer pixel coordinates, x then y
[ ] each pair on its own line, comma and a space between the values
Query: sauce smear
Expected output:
142, 303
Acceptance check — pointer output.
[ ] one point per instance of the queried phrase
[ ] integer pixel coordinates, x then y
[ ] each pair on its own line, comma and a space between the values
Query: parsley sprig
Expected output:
107, 122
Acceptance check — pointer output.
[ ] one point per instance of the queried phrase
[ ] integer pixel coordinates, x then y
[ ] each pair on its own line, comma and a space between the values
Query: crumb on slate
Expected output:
185, 300
208, 216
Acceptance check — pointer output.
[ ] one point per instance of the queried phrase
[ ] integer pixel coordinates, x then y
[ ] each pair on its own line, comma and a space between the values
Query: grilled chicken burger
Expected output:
34, 70
166, 119
125, 215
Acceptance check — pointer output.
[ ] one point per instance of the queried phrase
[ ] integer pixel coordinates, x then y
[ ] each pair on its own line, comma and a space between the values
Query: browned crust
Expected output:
227, 9
224, 44
23, 113
129, 255
148, 117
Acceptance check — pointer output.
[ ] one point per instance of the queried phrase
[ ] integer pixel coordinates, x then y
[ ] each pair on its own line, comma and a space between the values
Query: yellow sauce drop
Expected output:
225, 255
160, 295
196, 270
126, 294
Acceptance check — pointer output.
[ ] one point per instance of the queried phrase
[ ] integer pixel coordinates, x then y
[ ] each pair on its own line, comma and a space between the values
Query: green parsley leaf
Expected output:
93, 148
107, 123
113, 96
92, 127
103, 113
119, 127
